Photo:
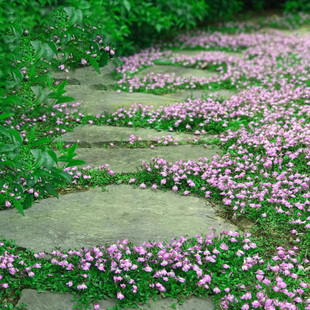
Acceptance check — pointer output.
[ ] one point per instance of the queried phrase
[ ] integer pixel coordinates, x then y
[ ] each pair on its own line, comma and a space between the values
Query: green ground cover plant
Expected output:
32, 115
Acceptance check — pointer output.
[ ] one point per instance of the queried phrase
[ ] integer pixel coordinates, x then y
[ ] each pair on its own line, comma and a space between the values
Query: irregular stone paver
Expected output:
128, 160
88, 76
302, 31
53, 301
97, 217
185, 94
98, 102
92, 135
178, 70
196, 52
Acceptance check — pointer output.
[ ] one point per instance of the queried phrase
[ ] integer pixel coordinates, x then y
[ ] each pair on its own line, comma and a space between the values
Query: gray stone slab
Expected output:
94, 136
304, 30
55, 301
178, 70
97, 217
88, 76
185, 94
194, 53
128, 160
99, 101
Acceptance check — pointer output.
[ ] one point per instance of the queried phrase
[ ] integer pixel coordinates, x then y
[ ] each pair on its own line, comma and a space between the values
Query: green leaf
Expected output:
75, 162
36, 153
71, 150
53, 155
6, 148
18, 206
69, 11
17, 138
5, 115
41, 173
127, 5
35, 44
41, 141
63, 158
35, 89
65, 175
48, 53
94, 63
17, 75
53, 47
5, 132
104, 59
28, 201
65, 99
50, 189
48, 161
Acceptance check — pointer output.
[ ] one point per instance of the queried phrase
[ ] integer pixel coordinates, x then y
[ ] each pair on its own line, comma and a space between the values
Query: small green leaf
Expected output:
75, 162
16, 137
65, 99
48, 53
127, 5
50, 189
94, 63
6, 148
41, 141
28, 201
65, 175
5, 115
5, 132
53, 155
18, 206
35, 44
104, 59
36, 153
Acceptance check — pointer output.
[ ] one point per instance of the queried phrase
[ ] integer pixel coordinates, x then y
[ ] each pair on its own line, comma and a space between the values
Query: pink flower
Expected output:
82, 286
96, 306
216, 290
245, 307
148, 269
69, 283
120, 296
224, 246
247, 295
83, 61
142, 185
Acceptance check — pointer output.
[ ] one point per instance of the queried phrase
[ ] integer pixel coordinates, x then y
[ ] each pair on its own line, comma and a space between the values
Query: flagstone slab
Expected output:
179, 71
199, 93
55, 301
193, 53
96, 101
87, 75
128, 160
102, 216
96, 136
304, 30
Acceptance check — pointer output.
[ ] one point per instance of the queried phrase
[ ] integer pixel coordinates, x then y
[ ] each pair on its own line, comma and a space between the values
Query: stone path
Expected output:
97, 217
44, 300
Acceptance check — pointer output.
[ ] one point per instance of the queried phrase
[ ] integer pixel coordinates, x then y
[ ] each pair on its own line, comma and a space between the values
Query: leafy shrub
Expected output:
297, 5
223, 10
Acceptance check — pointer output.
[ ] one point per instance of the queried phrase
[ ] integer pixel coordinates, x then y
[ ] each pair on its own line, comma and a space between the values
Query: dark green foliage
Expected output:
297, 5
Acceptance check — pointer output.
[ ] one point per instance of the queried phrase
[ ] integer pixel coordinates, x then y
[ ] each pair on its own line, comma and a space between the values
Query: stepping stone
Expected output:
55, 301
178, 70
88, 76
94, 136
97, 217
99, 101
196, 52
128, 160
185, 94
